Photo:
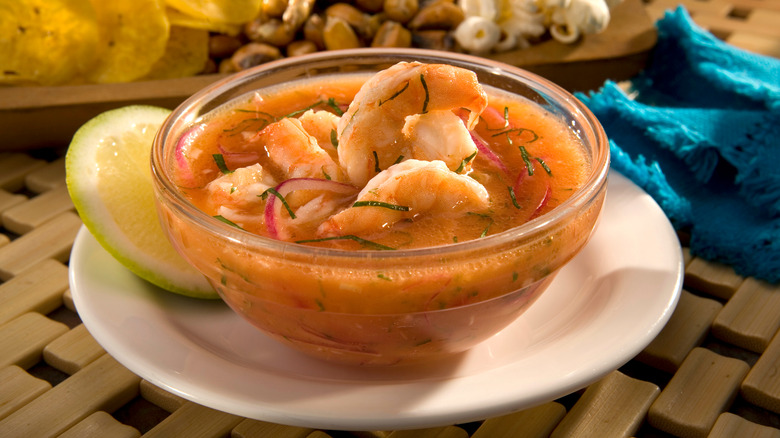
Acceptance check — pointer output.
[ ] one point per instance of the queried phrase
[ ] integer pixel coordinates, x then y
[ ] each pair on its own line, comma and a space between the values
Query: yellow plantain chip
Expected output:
219, 11
134, 34
46, 42
178, 18
186, 54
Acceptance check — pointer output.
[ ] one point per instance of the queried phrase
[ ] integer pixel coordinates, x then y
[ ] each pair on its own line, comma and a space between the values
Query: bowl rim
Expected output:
182, 115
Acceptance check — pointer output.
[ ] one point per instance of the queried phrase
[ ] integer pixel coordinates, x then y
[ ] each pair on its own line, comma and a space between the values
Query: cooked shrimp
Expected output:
370, 131
404, 191
296, 153
440, 135
237, 195
321, 125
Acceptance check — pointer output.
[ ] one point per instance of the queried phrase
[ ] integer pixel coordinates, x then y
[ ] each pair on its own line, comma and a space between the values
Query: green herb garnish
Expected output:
380, 204
332, 103
527, 160
396, 94
360, 240
514, 199
544, 166
399, 159
465, 161
220, 160
427, 96
269, 115
273, 191
303, 110
334, 138
376, 162
227, 221
485, 216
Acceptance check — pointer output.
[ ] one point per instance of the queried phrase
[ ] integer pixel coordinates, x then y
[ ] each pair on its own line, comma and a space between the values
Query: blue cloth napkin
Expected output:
699, 130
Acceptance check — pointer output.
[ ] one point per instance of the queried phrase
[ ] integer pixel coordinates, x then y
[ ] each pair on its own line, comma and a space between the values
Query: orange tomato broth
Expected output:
382, 311
559, 165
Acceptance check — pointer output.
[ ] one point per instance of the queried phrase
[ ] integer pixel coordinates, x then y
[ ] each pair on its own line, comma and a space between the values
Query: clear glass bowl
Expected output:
283, 288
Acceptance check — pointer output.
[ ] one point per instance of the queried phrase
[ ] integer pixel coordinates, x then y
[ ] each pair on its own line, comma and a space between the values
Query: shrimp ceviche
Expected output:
416, 155
376, 196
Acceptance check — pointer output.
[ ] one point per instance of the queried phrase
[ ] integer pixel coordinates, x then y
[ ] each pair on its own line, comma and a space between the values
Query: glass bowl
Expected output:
374, 307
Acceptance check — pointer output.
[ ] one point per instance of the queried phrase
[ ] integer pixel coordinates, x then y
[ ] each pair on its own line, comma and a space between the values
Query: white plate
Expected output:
601, 310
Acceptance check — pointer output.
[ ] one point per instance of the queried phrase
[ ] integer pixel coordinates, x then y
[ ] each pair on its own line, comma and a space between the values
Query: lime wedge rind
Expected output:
136, 240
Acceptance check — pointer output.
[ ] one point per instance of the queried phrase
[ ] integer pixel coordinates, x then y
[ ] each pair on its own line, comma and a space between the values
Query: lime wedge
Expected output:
110, 182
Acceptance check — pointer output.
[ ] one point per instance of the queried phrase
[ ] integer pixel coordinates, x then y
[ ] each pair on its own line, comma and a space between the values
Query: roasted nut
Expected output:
273, 31
392, 34
433, 39
273, 8
439, 14
296, 13
371, 6
223, 46
226, 66
253, 54
401, 10
338, 34
353, 16
313, 30
301, 47
209, 68
375, 21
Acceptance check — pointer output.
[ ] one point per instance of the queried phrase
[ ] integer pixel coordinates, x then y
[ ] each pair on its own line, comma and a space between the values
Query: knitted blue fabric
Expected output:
700, 133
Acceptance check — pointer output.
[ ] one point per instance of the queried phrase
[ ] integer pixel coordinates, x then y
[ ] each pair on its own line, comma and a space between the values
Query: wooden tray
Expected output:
32, 117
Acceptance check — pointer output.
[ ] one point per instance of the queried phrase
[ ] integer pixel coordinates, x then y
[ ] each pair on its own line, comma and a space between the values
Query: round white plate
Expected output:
601, 310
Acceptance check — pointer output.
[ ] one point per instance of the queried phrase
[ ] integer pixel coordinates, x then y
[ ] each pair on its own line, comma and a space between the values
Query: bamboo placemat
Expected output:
712, 371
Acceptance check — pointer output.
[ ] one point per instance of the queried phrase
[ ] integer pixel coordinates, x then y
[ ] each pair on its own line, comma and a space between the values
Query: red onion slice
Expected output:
488, 153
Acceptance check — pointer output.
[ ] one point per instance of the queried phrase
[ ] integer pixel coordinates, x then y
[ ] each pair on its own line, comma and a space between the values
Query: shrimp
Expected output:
321, 125
370, 136
404, 191
240, 188
440, 135
296, 153
237, 195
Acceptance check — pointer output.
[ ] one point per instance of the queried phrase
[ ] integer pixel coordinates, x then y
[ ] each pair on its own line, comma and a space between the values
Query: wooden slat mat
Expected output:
712, 372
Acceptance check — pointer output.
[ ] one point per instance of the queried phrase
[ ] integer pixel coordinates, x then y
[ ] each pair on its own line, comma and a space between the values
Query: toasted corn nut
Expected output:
353, 16
301, 47
210, 67
313, 30
401, 10
273, 8
253, 54
439, 14
433, 39
223, 46
226, 66
273, 31
375, 21
392, 34
370, 6
296, 13
338, 34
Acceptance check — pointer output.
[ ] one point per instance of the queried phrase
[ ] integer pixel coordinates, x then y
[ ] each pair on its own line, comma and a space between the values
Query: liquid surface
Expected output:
414, 160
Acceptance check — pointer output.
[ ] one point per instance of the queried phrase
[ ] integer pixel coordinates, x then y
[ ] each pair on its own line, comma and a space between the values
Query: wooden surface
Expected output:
712, 371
